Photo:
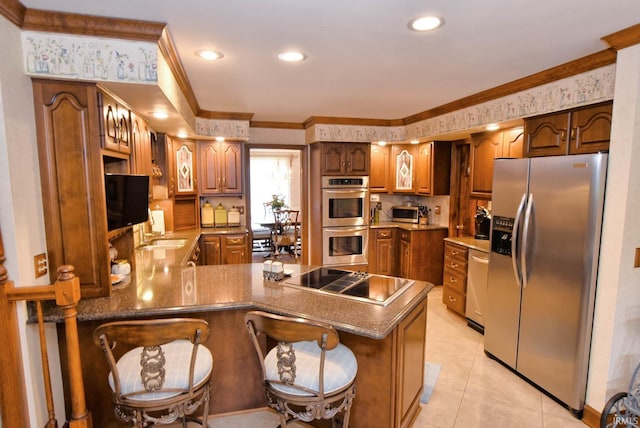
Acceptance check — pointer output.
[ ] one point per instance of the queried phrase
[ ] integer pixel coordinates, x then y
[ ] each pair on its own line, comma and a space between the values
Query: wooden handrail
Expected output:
13, 402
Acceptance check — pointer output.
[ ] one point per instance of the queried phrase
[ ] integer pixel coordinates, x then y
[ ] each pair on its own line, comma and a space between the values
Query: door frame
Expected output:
304, 190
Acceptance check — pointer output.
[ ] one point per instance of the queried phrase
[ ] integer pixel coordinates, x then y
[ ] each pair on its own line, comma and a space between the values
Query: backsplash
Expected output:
389, 201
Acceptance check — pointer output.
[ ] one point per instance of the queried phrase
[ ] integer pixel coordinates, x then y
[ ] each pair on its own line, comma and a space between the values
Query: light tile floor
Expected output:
472, 390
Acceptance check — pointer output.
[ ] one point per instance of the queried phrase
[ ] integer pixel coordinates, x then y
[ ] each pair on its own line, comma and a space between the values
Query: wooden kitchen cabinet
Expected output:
345, 158
382, 252
185, 171
115, 131
211, 249
454, 279
68, 133
582, 130
433, 168
403, 164
421, 254
380, 169
221, 167
235, 249
225, 249
141, 158
485, 148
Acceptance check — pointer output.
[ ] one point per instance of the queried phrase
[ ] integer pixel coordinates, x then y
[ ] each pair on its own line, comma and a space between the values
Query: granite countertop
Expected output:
469, 242
406, 226
161, 284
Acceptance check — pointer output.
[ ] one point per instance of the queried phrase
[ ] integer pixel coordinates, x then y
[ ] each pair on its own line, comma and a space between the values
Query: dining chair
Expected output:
165, 377
286, 231
307, 373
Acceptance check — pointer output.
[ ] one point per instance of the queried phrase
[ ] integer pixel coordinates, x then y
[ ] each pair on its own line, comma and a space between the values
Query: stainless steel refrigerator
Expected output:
545, 240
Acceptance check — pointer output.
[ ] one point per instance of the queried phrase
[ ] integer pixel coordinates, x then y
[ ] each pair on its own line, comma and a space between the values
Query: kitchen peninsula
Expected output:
388, 341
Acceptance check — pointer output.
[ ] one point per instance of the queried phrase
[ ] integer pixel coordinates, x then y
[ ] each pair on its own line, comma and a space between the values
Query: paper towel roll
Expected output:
157, 223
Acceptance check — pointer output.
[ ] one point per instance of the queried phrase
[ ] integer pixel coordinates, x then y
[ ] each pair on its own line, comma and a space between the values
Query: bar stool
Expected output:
307, 373
166, 377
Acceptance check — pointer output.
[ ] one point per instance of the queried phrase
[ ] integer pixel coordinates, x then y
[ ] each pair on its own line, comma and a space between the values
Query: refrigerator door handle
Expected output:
515, 253
525, 235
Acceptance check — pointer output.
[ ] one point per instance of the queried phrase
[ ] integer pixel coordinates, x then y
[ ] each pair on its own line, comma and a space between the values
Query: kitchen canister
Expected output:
206, 215
220, 216
233, 217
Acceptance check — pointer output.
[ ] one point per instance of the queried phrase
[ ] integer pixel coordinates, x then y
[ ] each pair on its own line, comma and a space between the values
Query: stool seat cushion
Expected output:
178, 358
340, 368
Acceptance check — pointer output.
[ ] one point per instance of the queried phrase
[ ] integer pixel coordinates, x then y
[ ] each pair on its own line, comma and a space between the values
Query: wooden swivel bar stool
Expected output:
166, 377
308, 374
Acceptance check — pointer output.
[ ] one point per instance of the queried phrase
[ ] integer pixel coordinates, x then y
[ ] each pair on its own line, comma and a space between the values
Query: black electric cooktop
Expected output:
378, 289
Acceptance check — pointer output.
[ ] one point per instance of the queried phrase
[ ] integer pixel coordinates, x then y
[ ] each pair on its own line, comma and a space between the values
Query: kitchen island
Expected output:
388, 341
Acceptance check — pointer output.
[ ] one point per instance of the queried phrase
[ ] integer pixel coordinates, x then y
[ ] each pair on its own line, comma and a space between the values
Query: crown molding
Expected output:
88, 25
624, 38
224, 115
275, 125
571, 68
14, 11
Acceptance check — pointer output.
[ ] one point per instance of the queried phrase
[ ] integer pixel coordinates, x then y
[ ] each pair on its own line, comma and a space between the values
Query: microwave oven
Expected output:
405, 214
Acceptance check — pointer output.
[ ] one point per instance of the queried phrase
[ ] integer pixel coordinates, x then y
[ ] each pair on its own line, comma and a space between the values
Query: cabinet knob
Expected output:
451, 299
452, 279
454, 265
454, 252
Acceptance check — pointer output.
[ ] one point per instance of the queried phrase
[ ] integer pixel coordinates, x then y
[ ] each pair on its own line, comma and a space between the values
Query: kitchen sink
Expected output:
165, 243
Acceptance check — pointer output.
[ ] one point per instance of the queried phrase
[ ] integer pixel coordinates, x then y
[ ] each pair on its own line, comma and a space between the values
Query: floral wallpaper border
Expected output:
89, 58
582, 89
224, 128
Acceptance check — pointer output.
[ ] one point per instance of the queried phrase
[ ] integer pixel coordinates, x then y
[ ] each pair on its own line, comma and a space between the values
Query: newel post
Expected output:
67, 291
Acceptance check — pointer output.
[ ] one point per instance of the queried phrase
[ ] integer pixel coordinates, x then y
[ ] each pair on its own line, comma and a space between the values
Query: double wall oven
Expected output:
345, 220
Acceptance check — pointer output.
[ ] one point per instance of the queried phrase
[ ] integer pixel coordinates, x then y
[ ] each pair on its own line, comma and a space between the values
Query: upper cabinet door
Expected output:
185, 164
141, 147
403, 167
485, 148
345, 158
546, 135
357, 157
221, 168
424, 169
590, 129
115, 129
380, 165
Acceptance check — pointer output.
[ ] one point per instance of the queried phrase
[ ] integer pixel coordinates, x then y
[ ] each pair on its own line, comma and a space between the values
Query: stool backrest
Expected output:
149, 334
286, 330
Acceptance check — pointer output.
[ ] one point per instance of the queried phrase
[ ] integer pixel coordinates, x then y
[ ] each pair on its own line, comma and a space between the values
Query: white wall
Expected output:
21, 217
276, 136
616, 340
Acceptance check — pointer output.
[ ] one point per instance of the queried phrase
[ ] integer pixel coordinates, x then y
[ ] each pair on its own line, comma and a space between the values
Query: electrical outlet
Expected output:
436, 210
240, 209
41, 265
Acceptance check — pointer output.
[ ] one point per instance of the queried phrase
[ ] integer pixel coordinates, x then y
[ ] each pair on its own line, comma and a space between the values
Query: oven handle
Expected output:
347, 229
345, 191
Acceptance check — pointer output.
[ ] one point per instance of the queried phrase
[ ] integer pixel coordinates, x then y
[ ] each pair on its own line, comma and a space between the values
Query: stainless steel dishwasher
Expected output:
478, 265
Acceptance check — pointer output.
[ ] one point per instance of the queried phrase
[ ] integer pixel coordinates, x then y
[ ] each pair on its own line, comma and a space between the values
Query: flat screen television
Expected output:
127, 199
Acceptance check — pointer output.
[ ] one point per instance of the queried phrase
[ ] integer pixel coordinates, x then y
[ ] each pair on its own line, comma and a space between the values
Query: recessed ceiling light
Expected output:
220, 139
382, 143
426, 23
209, 55
182, 134
493, 127
415, 141
160, 114
291, 56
